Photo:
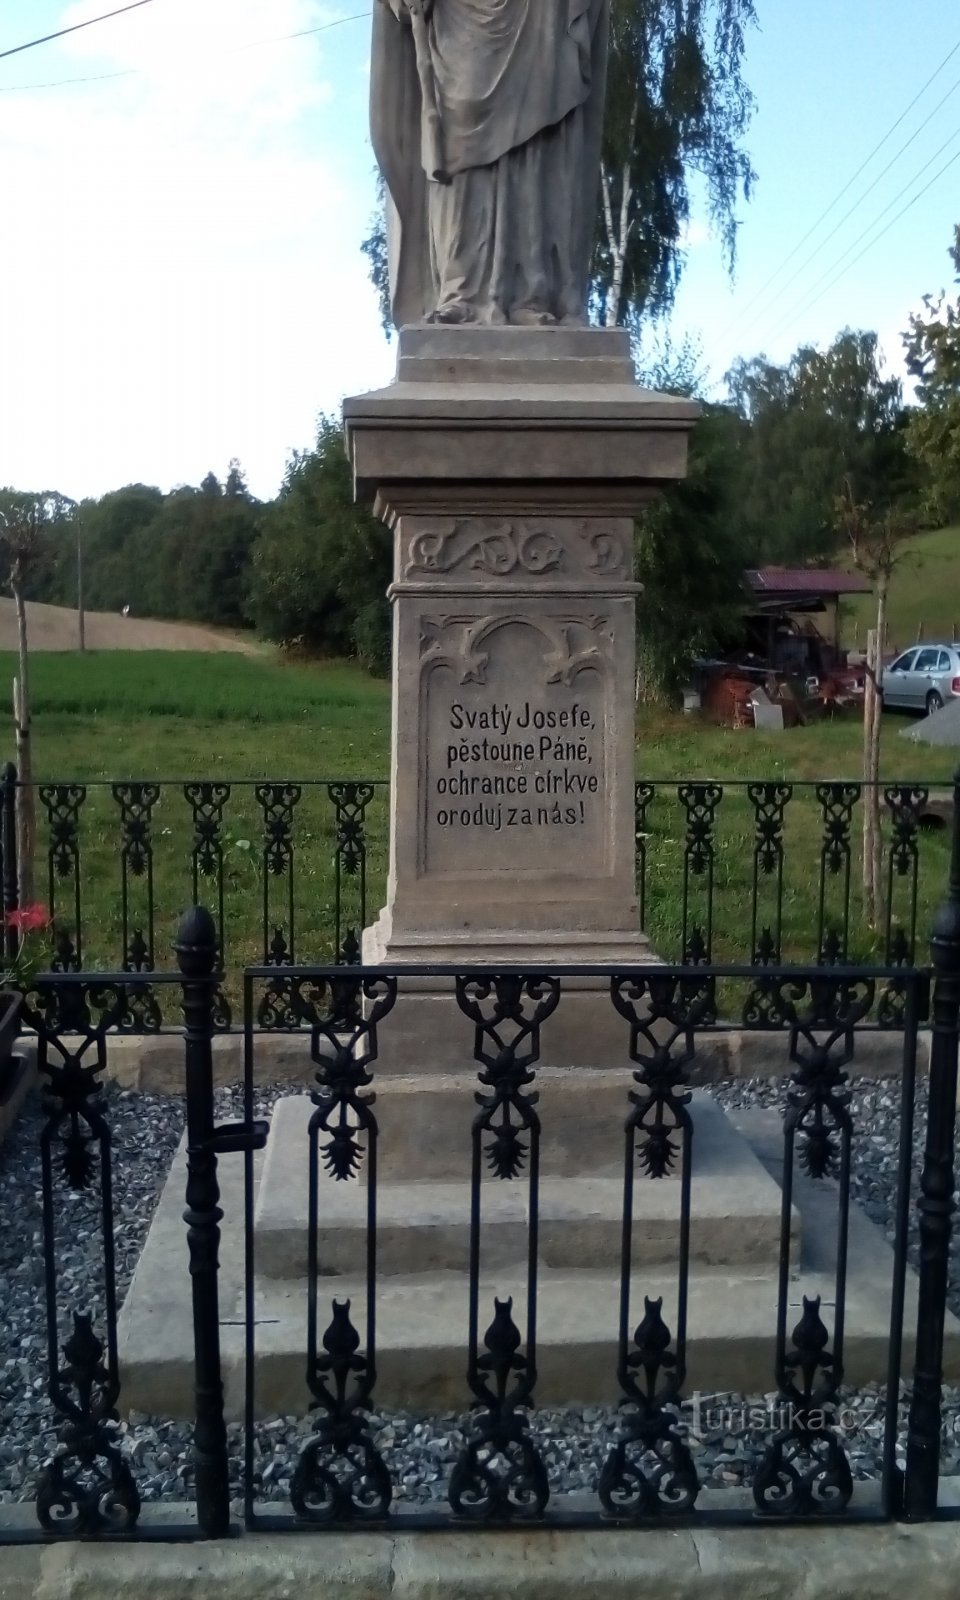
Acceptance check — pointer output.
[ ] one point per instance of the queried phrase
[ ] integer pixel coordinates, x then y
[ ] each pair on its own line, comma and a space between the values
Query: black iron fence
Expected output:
500, 1024
292, 870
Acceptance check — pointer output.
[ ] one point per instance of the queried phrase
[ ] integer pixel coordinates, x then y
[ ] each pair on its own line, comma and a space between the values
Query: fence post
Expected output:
936, 1198
8, 843
196, 948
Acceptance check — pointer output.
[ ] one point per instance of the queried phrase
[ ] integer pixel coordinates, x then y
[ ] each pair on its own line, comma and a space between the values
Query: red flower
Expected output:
26, 918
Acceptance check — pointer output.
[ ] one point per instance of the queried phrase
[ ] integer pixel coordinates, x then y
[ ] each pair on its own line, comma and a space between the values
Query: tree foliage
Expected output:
824, 419
322, 565
692, 548
185, 554
677, 112
933, 358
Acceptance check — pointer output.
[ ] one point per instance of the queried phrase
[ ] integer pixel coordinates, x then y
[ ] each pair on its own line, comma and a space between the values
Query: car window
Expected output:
943, 661
903, 663
927, 661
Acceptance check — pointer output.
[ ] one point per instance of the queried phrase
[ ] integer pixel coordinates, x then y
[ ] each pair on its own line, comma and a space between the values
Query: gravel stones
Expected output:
726, 1436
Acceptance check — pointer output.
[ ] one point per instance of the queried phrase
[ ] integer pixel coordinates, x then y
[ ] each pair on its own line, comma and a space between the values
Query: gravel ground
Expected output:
726, 1441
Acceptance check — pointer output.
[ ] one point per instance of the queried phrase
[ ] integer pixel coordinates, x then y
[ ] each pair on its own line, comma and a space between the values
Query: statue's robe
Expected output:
519, 89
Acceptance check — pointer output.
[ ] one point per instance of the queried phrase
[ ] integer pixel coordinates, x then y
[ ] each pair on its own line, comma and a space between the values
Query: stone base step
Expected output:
422, 1329
424, 1226
422, 1322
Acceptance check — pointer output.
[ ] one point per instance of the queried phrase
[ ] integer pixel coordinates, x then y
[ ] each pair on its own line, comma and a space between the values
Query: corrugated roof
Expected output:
806, 580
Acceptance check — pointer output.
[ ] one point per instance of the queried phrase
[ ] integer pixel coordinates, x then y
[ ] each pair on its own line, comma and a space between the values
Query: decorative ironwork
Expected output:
278, 802
63, 803
88, 1487
351, 801
507, 1013
837, 801
700, 801
65, 957
769, 801
500, 1475
143, 1012
644, 795
286, 1003
905, 805
650, 1470
805, 1469
821, 1045
662, 1014
70, 1071
343, 1045
340, 1476
136, 802
206, 801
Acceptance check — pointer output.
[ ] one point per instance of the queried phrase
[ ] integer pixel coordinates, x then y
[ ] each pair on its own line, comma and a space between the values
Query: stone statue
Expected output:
486, 120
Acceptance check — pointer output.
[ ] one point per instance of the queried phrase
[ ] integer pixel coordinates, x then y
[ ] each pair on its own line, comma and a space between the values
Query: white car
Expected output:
923, 679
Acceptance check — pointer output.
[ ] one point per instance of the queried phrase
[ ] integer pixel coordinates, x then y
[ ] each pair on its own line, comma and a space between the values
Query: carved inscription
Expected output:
515, 771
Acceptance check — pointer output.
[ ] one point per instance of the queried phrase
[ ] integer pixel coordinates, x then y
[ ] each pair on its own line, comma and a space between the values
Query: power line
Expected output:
892, 223
303, 33
127, 72
761, 292
818, 249
818, 293
32, 44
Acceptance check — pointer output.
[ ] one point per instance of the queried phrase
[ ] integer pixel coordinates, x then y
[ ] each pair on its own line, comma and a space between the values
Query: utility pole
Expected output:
80, 618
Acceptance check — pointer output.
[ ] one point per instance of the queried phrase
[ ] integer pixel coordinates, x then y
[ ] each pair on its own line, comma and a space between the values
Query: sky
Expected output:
182, 280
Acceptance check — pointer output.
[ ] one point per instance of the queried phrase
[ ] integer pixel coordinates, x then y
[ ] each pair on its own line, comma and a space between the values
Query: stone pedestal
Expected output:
510, 464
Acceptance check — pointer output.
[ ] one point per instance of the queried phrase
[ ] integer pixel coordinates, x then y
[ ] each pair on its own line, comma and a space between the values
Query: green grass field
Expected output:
924, 593
182, 716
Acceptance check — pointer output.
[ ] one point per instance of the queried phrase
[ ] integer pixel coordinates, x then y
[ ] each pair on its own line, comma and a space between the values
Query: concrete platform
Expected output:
423, 1199
422, 1322
830, 1560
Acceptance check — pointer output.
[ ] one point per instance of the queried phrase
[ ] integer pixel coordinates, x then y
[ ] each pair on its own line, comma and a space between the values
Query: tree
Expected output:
677, 112
118, 538
321, 564
25, 550
933, 358
878, 545
185, 554
677, 108
691, 553
825, 419
201, 546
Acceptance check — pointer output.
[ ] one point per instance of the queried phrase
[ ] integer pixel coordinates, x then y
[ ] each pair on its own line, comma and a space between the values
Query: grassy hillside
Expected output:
925, 591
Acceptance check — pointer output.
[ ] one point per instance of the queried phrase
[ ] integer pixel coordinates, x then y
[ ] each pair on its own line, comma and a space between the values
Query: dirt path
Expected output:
55, 628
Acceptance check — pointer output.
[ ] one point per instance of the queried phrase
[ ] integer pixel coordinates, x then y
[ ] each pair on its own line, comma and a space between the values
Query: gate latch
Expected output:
234, 1136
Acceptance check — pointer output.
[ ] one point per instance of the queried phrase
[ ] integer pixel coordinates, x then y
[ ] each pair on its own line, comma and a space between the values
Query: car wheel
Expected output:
934, 702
